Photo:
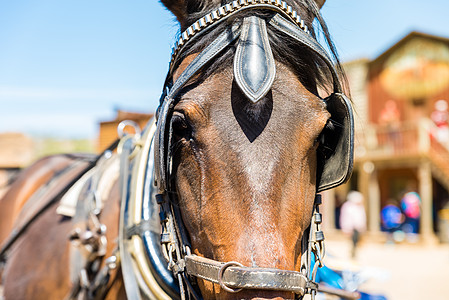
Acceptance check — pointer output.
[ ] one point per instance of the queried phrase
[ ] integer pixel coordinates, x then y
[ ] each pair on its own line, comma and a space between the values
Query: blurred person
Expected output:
411, 207
392, 219
353, 218
390, 115
339, 200
390, 118
440, 116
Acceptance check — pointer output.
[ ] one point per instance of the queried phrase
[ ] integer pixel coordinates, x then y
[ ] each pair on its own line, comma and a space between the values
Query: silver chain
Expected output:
225, 11
316, 244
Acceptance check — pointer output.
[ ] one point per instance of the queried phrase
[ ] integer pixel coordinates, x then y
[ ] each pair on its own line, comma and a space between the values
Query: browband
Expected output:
223, 13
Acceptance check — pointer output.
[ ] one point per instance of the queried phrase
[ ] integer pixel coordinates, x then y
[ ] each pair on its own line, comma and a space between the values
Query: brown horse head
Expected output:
246, 171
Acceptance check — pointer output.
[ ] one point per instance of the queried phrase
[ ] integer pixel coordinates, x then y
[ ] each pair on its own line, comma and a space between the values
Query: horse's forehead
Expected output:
214, 99
284, 131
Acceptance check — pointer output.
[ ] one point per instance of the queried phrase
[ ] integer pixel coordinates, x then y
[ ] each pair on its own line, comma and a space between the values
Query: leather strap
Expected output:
285, 26
245, 277
129, 278
212, 50
254, 67
339, 292
73, 172
226, 12
160, 173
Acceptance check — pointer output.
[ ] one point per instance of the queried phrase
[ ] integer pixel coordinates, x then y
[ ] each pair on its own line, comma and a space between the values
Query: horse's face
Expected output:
246, 172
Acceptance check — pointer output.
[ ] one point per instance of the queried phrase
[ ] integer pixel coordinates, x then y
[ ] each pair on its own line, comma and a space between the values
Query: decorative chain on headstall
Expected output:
316, 245
169, 240
174, 240
228, 10
174, 244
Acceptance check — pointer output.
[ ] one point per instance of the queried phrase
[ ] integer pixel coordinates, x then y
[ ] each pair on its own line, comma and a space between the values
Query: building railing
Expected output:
409, 138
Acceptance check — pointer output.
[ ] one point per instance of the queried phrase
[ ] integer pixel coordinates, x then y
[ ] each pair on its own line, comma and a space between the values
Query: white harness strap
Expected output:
67, 205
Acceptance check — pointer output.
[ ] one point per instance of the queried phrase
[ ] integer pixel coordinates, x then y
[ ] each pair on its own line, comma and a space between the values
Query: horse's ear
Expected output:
178, 8
320, 3
183, 8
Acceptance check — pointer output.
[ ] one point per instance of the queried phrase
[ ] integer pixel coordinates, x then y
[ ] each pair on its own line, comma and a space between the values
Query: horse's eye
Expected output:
326, 140
181, 128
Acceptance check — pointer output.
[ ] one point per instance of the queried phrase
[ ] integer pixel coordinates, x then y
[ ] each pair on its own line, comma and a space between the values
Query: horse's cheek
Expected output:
189, 183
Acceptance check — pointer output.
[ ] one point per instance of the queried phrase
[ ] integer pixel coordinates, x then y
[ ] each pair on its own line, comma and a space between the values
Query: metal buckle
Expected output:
220, 276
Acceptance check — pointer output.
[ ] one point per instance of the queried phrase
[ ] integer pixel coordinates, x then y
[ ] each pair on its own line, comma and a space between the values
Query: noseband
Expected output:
254, 72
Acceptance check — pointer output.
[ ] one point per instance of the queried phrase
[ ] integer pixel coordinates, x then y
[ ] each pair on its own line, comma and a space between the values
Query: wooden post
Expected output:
329, 209
369, 187
374, 203
423, 136
363, 187
425, 191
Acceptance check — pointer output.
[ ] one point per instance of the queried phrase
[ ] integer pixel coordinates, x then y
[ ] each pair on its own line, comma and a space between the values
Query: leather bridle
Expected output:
232, 276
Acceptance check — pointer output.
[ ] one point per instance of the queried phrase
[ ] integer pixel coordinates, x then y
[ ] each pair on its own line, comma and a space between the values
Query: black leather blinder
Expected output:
336, 164
161, 145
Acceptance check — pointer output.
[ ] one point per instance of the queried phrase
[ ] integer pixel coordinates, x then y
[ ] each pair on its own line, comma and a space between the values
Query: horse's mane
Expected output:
309, 68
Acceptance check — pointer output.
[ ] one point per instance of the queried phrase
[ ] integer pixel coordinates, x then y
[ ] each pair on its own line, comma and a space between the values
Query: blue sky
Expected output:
65, 65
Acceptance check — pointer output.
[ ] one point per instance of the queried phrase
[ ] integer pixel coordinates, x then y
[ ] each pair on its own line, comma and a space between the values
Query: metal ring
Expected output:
128, 123
220, 276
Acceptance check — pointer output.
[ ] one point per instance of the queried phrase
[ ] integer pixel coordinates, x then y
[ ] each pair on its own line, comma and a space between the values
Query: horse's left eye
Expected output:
327, 139
181, 128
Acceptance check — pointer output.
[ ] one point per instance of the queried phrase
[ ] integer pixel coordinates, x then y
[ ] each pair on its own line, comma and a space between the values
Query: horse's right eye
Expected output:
181, 128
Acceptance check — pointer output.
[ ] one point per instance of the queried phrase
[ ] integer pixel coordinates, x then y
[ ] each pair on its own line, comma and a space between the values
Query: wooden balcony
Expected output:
410, 143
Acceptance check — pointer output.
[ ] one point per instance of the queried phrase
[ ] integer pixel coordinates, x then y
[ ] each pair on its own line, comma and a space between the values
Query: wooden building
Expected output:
402, 133
16, 152
108, 129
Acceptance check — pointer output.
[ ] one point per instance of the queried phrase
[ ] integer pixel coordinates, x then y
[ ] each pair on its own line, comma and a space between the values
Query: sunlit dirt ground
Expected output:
398, 271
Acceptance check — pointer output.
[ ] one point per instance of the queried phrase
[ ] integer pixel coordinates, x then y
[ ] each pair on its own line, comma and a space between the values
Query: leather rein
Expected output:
232, 276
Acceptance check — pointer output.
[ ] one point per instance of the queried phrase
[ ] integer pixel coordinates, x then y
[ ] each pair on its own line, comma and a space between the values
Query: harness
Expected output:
253, 56
160, 265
